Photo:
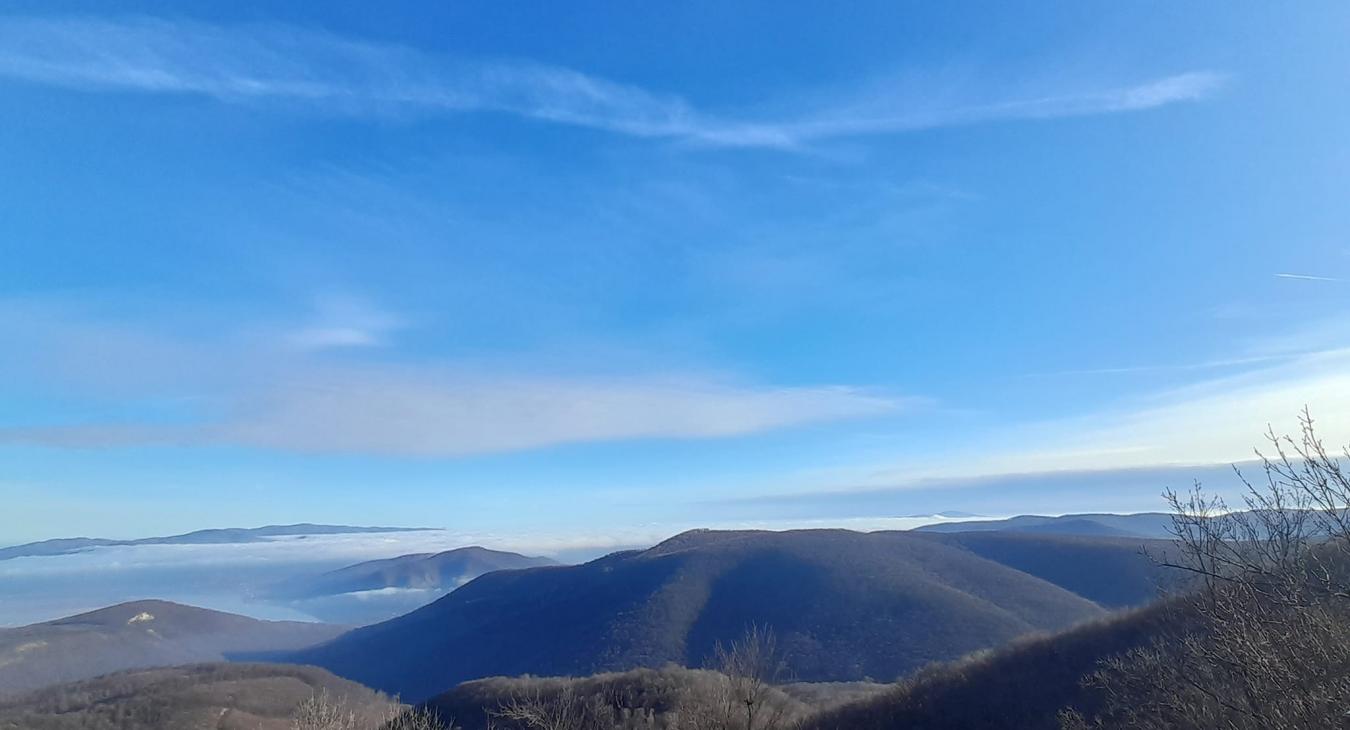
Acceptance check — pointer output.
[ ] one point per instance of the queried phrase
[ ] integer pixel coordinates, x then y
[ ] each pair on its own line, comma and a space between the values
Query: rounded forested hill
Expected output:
139, 634
195, 697
844, 605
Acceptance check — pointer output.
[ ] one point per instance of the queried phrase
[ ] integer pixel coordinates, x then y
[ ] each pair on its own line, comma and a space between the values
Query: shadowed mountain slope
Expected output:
845, 606
1114, 572
196, 697
135, 635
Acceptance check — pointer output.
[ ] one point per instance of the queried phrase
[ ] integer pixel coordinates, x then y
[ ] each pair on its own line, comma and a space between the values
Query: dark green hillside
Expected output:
845, 606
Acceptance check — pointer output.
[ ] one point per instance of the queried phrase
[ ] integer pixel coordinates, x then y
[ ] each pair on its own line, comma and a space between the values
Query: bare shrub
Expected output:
416, 718
535, 709
323, 712
1262, 641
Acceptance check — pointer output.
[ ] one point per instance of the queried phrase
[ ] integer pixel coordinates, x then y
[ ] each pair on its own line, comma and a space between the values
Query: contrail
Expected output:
1309, 277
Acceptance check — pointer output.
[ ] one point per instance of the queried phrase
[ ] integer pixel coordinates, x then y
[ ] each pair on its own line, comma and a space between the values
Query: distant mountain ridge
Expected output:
1140, 525
444, 570
136, 635
216, 536
845, 605
1146, 525
378, 590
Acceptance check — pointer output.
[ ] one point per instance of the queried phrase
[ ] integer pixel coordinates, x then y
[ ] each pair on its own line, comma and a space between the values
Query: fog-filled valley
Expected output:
241, 577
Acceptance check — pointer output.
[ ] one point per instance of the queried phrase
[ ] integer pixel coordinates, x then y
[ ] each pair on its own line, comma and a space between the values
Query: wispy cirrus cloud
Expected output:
273, 63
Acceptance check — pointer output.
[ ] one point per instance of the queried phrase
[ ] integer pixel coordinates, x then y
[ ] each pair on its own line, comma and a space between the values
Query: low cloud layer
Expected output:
281, 64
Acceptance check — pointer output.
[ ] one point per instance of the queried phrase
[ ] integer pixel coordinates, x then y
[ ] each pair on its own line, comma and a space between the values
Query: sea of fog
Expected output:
237, 577
226, 577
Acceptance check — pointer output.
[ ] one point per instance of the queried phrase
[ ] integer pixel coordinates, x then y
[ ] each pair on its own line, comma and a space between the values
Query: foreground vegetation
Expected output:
1268, 643
194, 697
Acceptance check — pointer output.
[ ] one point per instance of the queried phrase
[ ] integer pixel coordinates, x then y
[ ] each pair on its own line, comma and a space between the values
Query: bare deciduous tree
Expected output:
752, 665
1262, 638
537, 709
743, 696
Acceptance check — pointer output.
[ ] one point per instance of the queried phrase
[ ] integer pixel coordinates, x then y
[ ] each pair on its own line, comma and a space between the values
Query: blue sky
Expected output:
575, 268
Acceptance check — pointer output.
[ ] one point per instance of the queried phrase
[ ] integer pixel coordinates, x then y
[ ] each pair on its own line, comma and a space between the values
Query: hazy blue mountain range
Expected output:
1147, 525
227, 535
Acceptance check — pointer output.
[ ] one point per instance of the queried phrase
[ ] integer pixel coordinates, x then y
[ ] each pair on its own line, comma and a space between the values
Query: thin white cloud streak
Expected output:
428, 415
1180, 367
319, 338
419, 414
1188, 430
265, 393
286, 64
1184, 87
1310, 277
1222, 420
1219, 421
345, 322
